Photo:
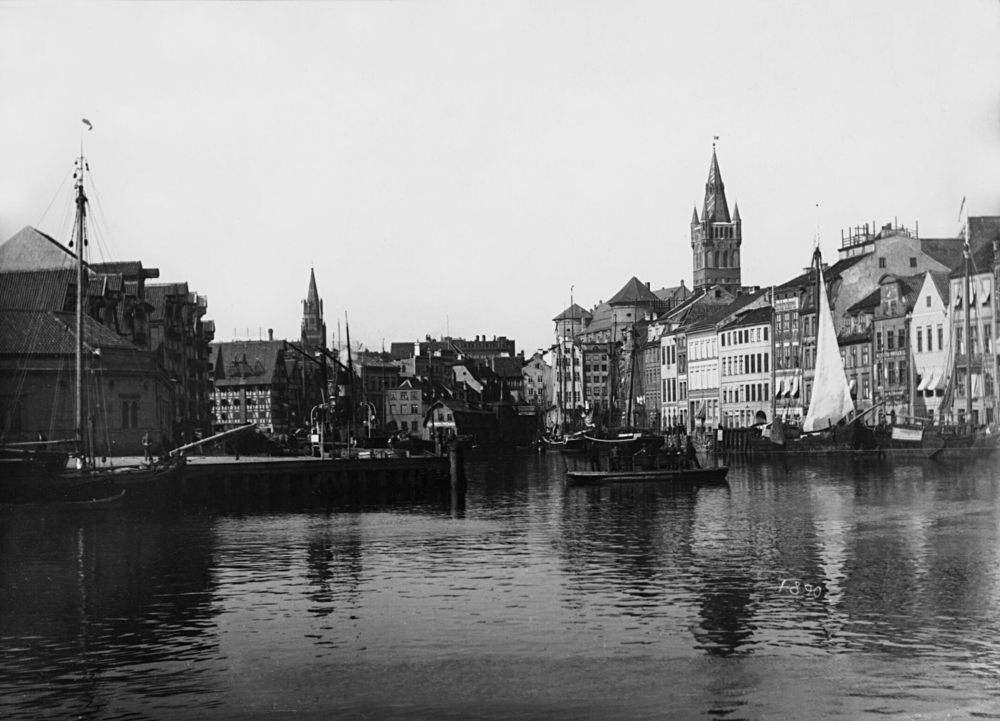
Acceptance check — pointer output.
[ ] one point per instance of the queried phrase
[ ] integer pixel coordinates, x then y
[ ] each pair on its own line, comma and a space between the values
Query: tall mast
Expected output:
81, 241
968, 337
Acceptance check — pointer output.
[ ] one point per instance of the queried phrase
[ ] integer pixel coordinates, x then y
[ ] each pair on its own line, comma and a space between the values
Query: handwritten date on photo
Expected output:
793, 587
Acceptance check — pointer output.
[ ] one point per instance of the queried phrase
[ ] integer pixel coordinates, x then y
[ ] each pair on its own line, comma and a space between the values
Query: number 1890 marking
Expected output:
794, 587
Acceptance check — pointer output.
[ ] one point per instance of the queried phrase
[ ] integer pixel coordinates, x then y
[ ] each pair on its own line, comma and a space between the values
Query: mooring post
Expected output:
455, 465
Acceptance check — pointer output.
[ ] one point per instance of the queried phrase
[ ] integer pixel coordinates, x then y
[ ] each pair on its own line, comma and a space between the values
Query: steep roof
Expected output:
715, 314
715, 209
36, 290
312, 297
574, 312
946, 251
982, 262
635, 291
755, 316
52, 333
31, 249
869, 302
253, 360
943, 287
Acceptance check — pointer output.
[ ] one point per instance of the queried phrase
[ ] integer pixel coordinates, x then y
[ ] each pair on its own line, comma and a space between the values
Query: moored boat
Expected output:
715, 474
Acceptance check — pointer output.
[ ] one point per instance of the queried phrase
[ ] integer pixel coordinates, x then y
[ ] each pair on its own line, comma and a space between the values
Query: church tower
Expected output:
716, 237
313, 327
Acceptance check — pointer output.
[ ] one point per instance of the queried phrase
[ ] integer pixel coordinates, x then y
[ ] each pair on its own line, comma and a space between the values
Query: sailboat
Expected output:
31, 474
964, 437
830, 424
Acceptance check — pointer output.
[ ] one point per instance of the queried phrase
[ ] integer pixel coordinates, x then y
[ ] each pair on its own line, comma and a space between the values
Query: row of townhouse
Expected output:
916, 345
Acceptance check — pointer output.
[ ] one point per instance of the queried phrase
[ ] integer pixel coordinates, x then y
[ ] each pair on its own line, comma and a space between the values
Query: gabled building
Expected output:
251, 385
892, 346
930, 345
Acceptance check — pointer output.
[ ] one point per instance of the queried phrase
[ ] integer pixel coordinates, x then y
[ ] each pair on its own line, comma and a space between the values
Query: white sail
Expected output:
831, 394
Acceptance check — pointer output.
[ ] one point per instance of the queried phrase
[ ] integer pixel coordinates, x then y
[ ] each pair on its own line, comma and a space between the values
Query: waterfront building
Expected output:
134, 392
537, 381
568, 386
716, 237
406, 405
703, 360
930, 345
180, 338
974, 351
856, 340
250, 385
376, 374
652, 397
892, 347
671, 408
692, 312
746, 368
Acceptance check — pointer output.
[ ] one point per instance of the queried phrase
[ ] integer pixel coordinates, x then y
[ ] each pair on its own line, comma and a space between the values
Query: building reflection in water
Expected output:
95, 603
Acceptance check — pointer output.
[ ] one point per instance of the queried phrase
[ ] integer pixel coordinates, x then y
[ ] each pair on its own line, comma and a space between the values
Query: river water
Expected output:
801, 589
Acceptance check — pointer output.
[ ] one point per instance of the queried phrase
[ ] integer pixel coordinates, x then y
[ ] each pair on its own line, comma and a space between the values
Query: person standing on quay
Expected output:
147, 445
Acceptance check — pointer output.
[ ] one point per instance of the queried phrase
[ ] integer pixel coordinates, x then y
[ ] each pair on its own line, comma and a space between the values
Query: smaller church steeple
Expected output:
313, 326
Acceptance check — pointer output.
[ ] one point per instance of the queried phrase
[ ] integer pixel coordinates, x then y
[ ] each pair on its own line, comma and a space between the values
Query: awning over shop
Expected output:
794, 393
779, 387
925, 380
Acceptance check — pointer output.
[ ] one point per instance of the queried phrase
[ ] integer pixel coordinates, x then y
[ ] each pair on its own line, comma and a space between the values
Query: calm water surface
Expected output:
525, 599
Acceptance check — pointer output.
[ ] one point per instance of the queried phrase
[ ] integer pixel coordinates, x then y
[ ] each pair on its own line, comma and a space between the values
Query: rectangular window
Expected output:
920, 340
928, 301
402, 395
392, 408
913, 262
878, 340
891, 367
889, 340
901, 339
940, 338
881, 262
414, 409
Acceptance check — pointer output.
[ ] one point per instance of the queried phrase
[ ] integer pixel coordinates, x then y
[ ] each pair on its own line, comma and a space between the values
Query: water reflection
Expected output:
524, 594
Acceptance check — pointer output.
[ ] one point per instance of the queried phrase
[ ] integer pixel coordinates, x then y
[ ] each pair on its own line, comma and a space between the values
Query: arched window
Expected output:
134, 414
736, 259
716, 259
725, 259
708, 258
124, 414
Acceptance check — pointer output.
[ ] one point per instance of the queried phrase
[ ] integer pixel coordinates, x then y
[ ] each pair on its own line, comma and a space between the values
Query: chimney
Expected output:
270, 333
647, 286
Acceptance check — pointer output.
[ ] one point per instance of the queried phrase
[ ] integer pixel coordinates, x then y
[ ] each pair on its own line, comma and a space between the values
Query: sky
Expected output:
468, 168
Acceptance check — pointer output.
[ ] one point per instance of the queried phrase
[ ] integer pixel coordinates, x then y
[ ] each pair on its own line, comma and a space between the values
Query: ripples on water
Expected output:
526, 598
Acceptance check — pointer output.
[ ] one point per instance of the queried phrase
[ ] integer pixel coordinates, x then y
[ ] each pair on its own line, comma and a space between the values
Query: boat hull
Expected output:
669, 475
72, 485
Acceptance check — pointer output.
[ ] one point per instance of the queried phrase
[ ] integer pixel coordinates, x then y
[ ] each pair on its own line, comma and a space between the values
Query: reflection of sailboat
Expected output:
31, 473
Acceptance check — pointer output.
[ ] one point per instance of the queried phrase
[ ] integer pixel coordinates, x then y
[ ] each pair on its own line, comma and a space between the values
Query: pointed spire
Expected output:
313, 296
736, 213
715, 210
694, 216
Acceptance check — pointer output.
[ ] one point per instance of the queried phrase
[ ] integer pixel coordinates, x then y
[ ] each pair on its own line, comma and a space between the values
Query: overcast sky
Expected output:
461, 166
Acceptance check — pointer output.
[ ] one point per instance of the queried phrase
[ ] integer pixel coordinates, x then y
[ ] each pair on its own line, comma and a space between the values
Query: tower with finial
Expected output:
313, 325
716, 236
